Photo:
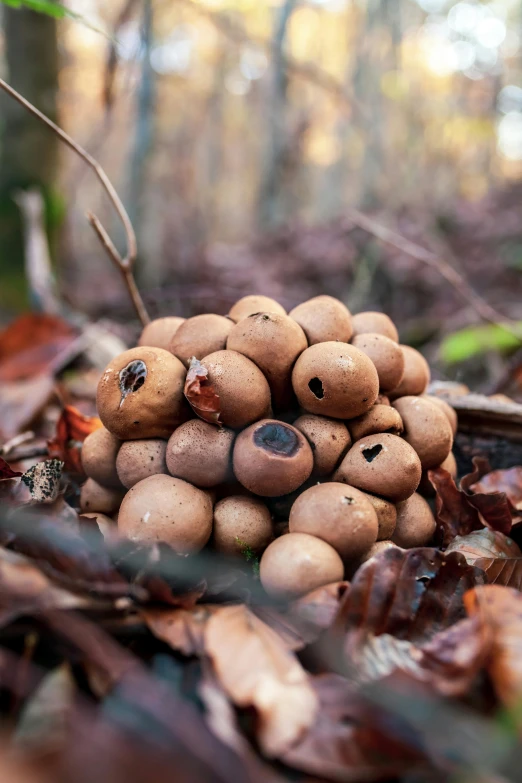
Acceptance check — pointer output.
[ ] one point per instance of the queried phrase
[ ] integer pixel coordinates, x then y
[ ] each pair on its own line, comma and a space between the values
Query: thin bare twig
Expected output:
124, 264
389, 237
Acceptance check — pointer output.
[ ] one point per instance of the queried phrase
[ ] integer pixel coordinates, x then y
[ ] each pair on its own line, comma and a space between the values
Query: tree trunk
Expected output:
29, 151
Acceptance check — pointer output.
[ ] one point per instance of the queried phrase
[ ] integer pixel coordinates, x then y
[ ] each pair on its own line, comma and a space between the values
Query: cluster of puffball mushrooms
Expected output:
302, 437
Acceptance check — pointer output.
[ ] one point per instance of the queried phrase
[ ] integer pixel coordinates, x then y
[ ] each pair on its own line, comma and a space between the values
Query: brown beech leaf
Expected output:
6, 472
71, 430
411, 594
305, 619
459, 512
502, 571
22, 401
485, 543
345, 742
31, 344
257, 670
499, 609
183, 629
201, 394
507, 481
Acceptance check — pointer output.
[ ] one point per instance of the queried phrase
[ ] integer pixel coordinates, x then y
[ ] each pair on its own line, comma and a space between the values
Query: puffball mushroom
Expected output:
328, 438
338, 514
373, 322
335, 379
383, 465
199, 336
377, 548
201, 453
239, 522
380, 418
99, 452
426, 429
386, 356
272, 458
166, 509
416, 374
448, 411
386, 516
248, 305
297, 563
138, 459
95, 497
159, 333
415, 523
273, 342
140, 394
323, 319
244, 394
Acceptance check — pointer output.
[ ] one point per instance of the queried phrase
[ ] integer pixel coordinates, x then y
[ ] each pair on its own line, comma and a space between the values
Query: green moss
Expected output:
250, 556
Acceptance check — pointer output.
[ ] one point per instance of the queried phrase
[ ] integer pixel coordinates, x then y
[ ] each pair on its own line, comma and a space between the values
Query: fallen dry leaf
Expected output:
21, 402
484, 543
182, 629
6, 471
257, 670
71, 430
200, 393
32, 344
499, 610
411, 594
507, 481
502, 571
43, 480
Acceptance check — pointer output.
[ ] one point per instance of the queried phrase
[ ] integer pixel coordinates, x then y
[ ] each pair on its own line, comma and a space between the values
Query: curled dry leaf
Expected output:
200, 393
257, 670
71, 430
499, 610
305, 619
182, 629
459, 513
32, 344
22, 401
484, 543
507, 481
411, 594
502, 571
6, 472
345, 742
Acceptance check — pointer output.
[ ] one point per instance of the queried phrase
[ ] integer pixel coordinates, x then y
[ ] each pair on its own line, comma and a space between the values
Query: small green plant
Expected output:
250, 556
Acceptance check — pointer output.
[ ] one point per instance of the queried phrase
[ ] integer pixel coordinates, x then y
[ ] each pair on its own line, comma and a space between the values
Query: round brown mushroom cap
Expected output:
415, 523
380, 418
382, 399
140, 394
272, 458
377, 548
323, 320
372, 322
416, 374
95, 497
199, 336
167, 509
159, 333
383, 465
273, 342
139, 459
386, 356
297, 563
338, 514
386, 516
240, 522
201, 453
450, 464
99, 452
106, 525
336, 380
426, 429
328, 438
254, 303
244, 393
448, 411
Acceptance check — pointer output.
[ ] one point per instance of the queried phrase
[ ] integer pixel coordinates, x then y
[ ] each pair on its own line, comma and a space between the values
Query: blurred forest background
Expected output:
240, 133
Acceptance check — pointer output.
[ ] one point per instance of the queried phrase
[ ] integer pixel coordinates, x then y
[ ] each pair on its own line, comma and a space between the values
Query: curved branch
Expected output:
125, 264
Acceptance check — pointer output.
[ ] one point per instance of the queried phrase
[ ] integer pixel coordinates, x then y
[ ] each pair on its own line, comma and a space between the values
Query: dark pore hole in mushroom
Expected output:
348, 500
316, 387
371, 453
132, 378
277, 438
